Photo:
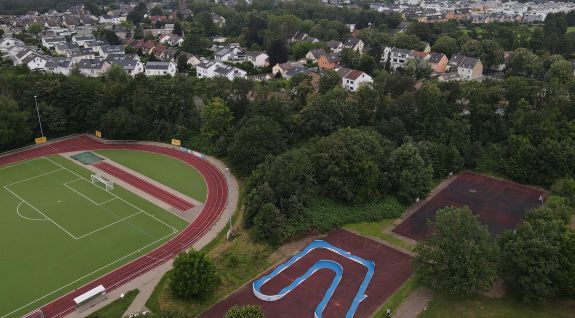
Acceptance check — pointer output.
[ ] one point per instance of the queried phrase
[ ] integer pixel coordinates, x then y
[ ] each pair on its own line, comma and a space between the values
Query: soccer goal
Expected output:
96, 178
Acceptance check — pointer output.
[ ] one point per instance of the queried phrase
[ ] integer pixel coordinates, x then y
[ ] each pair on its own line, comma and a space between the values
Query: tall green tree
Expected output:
14, 127
194, 276
461, 257
408, 174
216, 118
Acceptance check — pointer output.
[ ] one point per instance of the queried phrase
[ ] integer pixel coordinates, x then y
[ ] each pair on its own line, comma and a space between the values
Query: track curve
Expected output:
214, 206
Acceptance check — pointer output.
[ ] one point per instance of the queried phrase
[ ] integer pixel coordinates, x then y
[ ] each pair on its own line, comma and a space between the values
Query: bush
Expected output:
194, 276
247, 311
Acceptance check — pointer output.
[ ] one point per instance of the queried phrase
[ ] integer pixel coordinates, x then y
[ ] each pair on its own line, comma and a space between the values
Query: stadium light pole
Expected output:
227, 170
38, 112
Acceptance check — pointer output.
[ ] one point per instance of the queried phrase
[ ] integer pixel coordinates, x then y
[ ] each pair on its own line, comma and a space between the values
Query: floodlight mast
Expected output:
38, 113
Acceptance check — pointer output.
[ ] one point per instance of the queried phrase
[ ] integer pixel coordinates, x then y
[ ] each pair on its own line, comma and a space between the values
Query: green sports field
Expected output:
166, 170
60, 231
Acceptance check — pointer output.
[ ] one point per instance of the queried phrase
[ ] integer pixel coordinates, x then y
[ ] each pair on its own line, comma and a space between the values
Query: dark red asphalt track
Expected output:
157, 192
214, 206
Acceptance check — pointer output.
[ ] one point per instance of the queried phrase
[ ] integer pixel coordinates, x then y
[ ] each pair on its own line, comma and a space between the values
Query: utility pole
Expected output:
38, 112
227, 172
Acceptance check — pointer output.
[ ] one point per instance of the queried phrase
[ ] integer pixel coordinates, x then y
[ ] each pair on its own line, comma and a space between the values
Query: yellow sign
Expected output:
176, 142
98, 134
40, 140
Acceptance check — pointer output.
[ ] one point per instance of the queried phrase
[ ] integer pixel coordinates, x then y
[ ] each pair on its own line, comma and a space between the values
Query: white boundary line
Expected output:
87, 198
139, 250
32, 178
27, 218
19, 163
118, 221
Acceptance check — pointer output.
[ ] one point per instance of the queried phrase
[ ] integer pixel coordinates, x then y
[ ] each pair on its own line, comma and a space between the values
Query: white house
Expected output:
111, 19
172, 40
468, 68
335, 46
80, 54
50, 41
352, 80
397, 57
315, 54
59, 65
355, 44
35, 61
105, 50
211, 69
132, 67
258, 59
230, 52
160, 68
82, 39
93, 67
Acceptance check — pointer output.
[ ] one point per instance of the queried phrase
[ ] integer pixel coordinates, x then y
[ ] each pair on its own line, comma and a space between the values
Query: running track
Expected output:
157, 192
213, 209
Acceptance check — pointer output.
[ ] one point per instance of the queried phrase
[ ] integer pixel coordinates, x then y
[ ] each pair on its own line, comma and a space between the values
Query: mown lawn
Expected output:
443, 306
117, 308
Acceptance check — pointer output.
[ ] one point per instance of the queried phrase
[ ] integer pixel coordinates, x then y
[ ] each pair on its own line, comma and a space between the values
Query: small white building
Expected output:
160, 68
211, 69
106, 50
35, 61
128, 62
59, 65
93, 67
51, 41
258, 59
8, 43
82, 39
172, 40
352, 80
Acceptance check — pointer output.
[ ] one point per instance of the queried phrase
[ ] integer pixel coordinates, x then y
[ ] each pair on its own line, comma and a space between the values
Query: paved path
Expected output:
414, 304
147, 282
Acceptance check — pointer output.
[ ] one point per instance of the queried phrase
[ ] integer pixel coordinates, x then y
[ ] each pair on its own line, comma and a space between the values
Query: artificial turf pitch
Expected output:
60, 231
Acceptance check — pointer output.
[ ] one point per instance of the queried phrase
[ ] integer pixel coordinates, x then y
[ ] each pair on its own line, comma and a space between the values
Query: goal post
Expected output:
96, 178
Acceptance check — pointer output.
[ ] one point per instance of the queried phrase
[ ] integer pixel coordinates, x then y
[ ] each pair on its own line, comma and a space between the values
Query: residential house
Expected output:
160, 68
51, 41
190, 58
112, 19
8, 43
335, 46
282, 68
218, 20
329, 61
206, 69
352, 80
231, 52
397, 57
63, 48
438, 62
258, 59
93, 67
59, 65
169, 54
315, 54
229, 72
355, 44
105, 50
468, 68
128, 62
298, 37
82, 39
80, 54
172, 40
35, 61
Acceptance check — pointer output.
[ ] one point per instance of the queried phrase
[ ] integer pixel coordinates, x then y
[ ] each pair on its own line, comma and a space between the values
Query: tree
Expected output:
408, 174
524, 62
269, 225
216, 118
178, 29
35, 27
278, 52
193, 276
460, 258
247, 311
14, 127
256, 138
328, 81
417, 68
560, 71
446, 45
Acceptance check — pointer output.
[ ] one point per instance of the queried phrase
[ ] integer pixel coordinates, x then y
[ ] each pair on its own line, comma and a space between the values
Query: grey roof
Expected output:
113, 49
468, 62
342, 71
55, 62
91, 64
224, 70
401, 51
32, 56
157, 65
22, 53
54, 39
127, 65
254, 53
435, 57
297, 70
451, 76
114, 57
206, 64
317, 53
456, 59
85, 38
351, 42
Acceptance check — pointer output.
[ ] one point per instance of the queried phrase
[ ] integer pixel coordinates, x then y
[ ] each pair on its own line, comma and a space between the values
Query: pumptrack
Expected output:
214, 206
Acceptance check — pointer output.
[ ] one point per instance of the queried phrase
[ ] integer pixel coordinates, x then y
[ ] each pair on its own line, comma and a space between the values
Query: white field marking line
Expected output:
87, 198
75, 180
44, 215
19, 163
118, 221
32, 178
129, 203
87, 275
27, 218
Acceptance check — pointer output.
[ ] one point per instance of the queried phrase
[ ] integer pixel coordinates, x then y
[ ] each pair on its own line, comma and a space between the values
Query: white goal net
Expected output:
96, 178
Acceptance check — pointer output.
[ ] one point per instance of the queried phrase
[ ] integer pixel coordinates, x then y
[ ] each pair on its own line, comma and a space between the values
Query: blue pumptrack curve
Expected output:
321, 264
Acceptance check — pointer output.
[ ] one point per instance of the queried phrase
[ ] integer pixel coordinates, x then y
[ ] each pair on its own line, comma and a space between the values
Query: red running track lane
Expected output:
213, 208
157, 192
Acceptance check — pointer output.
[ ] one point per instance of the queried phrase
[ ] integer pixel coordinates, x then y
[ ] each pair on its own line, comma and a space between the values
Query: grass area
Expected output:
571, 29
180, 176
237, 262
376, 230
393, 302
443, 306
116, 308
60, 231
